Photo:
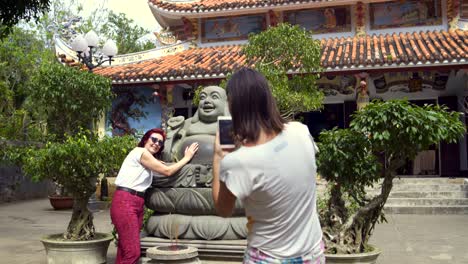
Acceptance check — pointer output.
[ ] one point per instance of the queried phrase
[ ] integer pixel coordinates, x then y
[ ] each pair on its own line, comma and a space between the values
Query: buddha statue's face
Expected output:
212, 104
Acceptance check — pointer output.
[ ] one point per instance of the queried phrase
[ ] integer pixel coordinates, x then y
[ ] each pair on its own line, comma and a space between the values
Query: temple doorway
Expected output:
332, 115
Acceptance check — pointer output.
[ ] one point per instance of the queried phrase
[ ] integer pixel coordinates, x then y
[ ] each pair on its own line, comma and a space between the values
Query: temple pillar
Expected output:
453, 14
360, 21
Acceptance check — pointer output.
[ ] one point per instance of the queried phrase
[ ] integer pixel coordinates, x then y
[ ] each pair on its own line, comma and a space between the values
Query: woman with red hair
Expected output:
135, 176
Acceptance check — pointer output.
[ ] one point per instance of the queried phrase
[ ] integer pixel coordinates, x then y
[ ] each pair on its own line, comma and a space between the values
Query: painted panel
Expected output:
408, 13
464, 10
410, 82
333, 85
322, 20
231, 28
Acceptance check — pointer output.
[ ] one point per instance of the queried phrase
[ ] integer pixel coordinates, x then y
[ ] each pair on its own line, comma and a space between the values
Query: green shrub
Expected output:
76, 164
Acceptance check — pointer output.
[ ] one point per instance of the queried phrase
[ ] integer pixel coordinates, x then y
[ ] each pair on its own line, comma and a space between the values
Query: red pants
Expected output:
127, 216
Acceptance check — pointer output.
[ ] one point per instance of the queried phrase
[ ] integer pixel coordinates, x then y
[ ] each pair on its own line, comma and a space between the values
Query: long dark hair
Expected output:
146, 137
252, 106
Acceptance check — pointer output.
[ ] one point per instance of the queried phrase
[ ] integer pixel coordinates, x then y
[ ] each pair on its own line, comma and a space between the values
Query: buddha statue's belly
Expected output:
205, 150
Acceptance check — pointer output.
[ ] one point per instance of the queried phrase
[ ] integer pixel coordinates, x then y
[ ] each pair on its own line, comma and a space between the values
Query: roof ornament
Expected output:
166, 37
65, 29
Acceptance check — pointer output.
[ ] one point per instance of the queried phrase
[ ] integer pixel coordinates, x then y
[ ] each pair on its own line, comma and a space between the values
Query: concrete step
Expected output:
418, 194
426, 201
423, 195
431, 180
455, 209
425, 188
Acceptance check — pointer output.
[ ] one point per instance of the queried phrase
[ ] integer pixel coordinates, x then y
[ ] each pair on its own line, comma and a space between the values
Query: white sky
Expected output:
138, 10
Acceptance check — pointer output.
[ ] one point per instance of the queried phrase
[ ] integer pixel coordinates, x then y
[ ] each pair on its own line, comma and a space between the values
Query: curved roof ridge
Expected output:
207, 6
437, 48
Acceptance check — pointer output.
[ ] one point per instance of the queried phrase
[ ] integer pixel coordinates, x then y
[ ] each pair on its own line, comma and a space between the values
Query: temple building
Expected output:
414, 49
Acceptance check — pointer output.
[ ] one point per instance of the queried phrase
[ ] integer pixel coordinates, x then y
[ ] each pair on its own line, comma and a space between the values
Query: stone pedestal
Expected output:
209, 251
172, 254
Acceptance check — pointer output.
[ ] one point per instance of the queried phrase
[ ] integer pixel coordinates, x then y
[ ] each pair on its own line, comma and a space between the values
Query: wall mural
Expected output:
322, 20
410, 82
231, 28
408, 13
134, 111
332, 85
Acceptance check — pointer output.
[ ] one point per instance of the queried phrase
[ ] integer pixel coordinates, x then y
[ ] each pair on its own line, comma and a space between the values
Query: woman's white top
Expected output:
133, 174
276, 183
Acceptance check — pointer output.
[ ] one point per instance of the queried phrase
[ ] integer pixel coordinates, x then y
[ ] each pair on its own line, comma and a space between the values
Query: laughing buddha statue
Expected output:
184, 200
200, 128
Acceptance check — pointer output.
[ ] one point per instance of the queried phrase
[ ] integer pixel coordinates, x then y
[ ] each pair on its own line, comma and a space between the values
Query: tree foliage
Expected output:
66, 20
75, 164
12, 11
125, 33
20, 54
381, 138
290, 59
72, 99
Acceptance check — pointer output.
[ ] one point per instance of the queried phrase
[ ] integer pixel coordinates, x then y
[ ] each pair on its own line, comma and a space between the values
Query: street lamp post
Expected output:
85, 49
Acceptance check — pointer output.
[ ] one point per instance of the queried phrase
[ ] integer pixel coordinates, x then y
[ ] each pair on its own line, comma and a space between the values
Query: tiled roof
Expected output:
367, 53
203, 6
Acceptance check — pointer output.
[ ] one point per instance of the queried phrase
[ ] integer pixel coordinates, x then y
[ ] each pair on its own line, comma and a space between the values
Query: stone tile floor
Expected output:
415, 239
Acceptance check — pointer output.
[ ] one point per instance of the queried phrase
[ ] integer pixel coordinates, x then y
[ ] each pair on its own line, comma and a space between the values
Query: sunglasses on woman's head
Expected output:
157, 141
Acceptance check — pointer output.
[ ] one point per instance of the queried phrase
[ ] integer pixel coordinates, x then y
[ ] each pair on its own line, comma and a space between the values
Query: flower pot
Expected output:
360, 258
60, 251
61, 202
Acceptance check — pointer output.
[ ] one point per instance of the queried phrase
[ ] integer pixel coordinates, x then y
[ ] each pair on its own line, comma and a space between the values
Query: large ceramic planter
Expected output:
61, 202
361, 258
60, 251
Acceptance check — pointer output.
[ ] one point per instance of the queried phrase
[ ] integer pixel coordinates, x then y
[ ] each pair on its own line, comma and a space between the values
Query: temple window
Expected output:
231, 28
408, 13
321, 20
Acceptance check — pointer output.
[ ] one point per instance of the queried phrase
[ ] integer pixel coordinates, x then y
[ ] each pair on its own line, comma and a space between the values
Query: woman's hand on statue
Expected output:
191, 150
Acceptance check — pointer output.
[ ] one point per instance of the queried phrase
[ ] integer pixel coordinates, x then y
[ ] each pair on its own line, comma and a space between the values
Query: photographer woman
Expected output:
272, 171
134, 177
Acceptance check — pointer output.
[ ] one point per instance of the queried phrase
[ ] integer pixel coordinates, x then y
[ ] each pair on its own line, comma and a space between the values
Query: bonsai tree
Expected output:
289, 58
76, 164
381, 138
277, 53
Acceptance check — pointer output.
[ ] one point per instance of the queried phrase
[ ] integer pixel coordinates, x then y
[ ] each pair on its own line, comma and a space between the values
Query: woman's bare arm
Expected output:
224, 200
154, 164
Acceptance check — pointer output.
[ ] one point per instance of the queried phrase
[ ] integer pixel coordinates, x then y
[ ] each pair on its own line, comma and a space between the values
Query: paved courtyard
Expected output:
415, 239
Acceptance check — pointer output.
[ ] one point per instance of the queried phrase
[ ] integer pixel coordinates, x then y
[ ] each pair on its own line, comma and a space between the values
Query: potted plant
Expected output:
71, 101
75, 164
60, 199
381, 138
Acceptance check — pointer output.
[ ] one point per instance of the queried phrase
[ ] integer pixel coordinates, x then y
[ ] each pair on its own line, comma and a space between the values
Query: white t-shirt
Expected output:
133, 174
276, 183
